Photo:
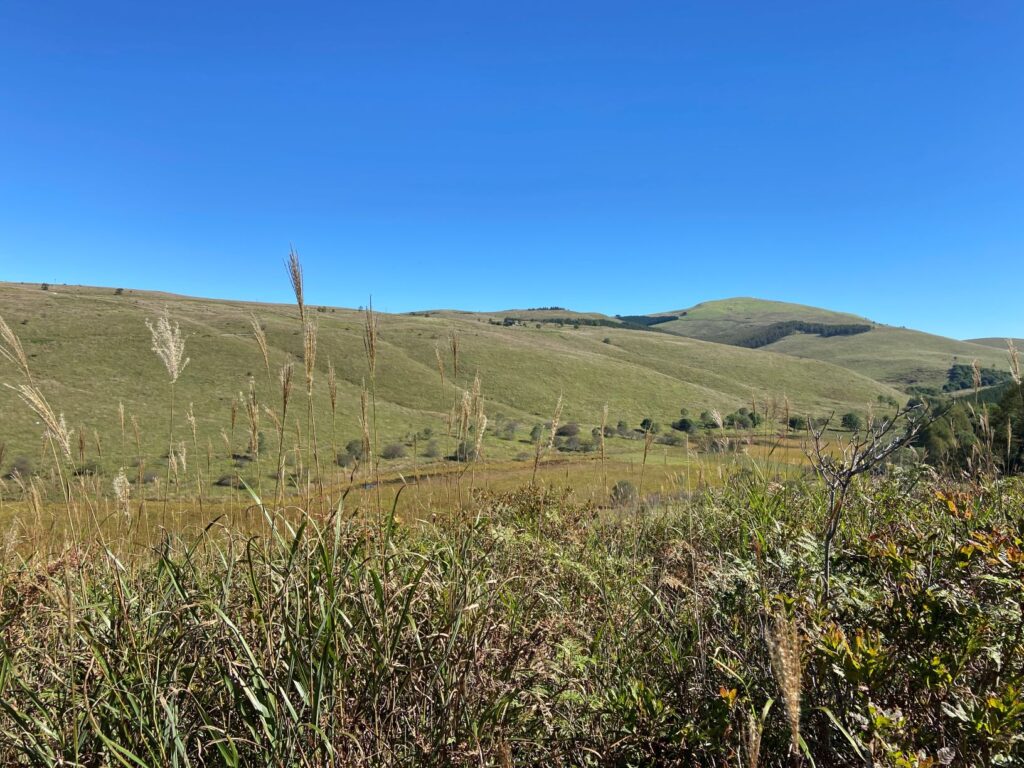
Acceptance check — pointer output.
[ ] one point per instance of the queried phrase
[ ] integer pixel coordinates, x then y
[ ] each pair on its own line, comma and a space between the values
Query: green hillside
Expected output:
998, 343
729, 321
90, 350
895, 356
541, 314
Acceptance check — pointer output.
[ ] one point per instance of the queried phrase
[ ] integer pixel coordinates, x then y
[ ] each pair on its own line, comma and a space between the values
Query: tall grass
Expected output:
534, 630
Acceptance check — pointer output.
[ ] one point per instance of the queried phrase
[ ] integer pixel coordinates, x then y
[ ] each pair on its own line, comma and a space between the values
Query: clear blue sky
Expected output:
620, 157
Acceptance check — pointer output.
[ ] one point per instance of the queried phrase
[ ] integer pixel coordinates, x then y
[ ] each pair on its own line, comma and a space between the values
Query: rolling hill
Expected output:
898, 357
90, 350
731, 321
998, 343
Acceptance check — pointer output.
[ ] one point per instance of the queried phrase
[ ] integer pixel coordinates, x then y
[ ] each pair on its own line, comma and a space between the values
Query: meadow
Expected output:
90, 349
281, 575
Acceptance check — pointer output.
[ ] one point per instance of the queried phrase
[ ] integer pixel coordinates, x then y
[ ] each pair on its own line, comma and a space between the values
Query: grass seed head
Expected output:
752, 739
481, 427
11, 349
554, 422
274, 418
465, 411
604, 424
784, 648
440, 363
169, 346
252, 413
309, 334
716, 415
453, 342
332, 386
371, 326
193, 425
179, 458
286, 385
295, 278
56, 428
261, 340
364, 420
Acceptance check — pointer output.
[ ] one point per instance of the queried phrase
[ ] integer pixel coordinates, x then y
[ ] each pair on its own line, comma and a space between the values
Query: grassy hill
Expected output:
729, 321
898, 357
998, 343
540, 314
90, 350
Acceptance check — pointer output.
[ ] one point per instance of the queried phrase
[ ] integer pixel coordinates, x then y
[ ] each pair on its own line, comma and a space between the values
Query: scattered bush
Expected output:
569, 443
465, 451
852, 422
21, 466
623, 494
649, 425
352, 455
744, 418
685, 425
393, 451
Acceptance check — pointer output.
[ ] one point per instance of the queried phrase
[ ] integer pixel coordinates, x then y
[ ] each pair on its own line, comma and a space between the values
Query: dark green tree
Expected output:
852, 422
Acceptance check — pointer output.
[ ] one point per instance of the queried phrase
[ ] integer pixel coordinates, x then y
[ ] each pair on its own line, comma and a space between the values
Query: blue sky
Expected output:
616, 157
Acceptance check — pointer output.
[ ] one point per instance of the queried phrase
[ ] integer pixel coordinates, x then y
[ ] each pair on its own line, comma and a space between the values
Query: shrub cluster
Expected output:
762, 337
961, 377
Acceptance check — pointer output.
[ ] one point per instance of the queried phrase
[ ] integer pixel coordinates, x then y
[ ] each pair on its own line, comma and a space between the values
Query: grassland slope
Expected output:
898, 357
729, 321
997, 342
90, 350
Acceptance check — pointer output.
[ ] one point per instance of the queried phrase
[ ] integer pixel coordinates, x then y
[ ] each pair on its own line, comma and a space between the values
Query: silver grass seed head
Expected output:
169, 346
